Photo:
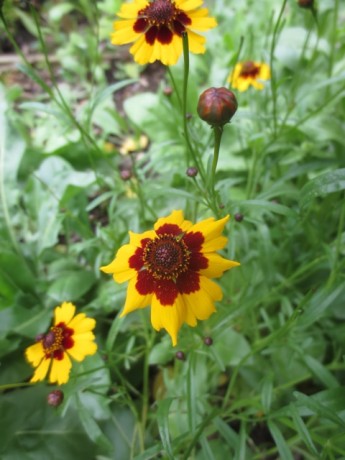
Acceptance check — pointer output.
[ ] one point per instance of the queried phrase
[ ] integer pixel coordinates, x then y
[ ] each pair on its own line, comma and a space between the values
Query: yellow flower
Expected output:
170, 268
249, 73
155, 28
71, 336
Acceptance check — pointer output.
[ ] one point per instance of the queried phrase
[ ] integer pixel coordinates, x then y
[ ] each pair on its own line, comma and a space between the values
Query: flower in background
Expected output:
170, 268
156, 27
249, 73
70, 337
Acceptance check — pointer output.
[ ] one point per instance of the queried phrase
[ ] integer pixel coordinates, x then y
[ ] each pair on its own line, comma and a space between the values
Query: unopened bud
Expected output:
306, 3
125, 174
208, 341
168, 91
217, 106
238, 217
192, 171
180, 355
55, 398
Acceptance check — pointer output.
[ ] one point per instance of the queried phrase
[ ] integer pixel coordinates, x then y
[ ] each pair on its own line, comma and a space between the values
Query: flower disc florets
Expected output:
57, 340
166, 257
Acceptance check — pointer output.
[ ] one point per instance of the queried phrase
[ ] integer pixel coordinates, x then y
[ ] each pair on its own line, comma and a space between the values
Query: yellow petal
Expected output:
187, 5
217, 265
82, 348
123, 36
141, 51
64, 313
134, 300
81, 323
35, 353
170, 318
60, 370
215, 244
257, 84
130, 10
202, 24
41, 371
196, 42
119, 267
265, 72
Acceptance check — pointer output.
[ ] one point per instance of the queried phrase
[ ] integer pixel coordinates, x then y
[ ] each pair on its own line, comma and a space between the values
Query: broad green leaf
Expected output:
71, 286
322, 185
231, 347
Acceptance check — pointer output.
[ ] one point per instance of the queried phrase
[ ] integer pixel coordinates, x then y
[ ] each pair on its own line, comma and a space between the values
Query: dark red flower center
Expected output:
160, 20
249, 69
57, 340
166, 257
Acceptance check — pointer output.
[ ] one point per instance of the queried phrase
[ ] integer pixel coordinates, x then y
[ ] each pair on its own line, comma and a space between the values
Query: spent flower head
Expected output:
70, 337
170, 268
156, 28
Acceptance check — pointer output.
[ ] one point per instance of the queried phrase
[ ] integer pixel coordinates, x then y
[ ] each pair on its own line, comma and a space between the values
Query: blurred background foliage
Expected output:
91, 146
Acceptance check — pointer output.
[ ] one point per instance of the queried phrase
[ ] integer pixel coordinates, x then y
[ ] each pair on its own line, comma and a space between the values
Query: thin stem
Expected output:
190, 149
333, 38
218, 132
335, 267
273, 77
175, 87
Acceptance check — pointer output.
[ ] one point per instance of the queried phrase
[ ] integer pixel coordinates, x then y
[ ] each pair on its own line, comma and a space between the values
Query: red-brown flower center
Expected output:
249, 69
160, 21
161, 12
166, 257
57, 340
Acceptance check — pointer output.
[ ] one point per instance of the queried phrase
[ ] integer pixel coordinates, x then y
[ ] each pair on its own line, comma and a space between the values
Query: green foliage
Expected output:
75, 114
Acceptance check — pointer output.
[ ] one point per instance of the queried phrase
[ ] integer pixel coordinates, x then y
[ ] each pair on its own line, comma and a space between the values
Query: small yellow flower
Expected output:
170, 268
249, 73
70, 337
155, 28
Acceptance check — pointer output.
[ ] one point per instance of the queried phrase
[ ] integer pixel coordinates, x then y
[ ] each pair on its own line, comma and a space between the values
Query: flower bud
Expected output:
306, 3
238, 217
192, 171
180, 355
55, 398
208, 341
217, 106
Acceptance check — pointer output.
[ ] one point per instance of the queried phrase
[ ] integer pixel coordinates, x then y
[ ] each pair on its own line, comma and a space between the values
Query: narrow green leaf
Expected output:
264, 206
321, 372
163, 425
303, 430
316, 407
283, 448
113, 332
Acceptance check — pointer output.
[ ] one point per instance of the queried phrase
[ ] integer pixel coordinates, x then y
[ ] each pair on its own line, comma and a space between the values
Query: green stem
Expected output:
335, 267
175, 87
190, 150
273, 77
334, 37
11, 386
218, 132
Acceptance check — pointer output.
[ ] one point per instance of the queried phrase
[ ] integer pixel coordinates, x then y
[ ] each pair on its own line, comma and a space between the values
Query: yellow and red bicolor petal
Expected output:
41, 371
139, 293
169, 318
124, 33
60, 370
211, 230
64, 313
83, 346
201, 302
217, 265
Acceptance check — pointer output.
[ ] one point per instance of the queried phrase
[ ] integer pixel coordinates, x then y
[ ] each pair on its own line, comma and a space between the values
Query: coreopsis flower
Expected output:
249, 73
70, 337
170, 268
156, 27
